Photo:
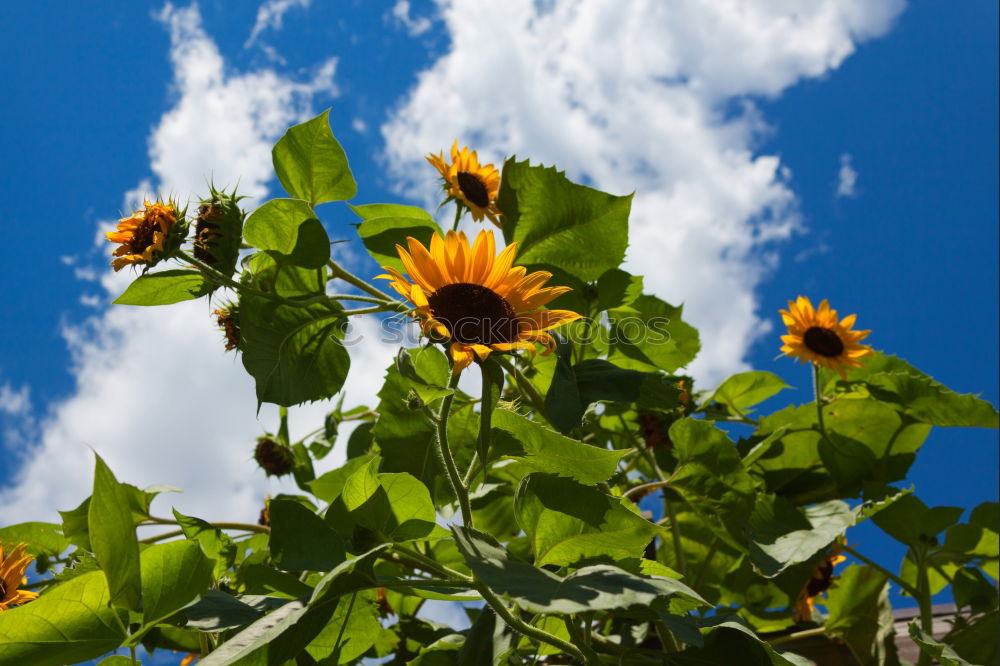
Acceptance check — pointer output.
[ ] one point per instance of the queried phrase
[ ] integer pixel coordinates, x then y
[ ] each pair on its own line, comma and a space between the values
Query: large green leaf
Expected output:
290, 228
329, 485
649, 334
397, 506
268, 271
782, 534
173, 574
353, 628
165, 287
593, 588
112, 536
555, 221
746, 389
976, 641
41, 538
70, 623
489, 641
859, 612
216, 544
568, 522
944, 654
285, 632
310, 163
910, 521
729, 641
294, 354
300, 540
546, 451
711, 477
388, 225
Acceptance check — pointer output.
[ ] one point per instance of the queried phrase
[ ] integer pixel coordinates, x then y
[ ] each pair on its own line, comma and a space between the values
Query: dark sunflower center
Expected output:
142, 237
473, 189
474, 314
823, 341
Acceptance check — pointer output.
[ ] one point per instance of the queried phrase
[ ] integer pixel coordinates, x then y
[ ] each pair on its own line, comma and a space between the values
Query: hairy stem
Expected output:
444, 453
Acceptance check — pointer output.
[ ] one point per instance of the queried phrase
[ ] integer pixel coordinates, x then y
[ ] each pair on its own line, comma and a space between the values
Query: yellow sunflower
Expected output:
475, 298
12, 567
815, 335
473, 185
142, 235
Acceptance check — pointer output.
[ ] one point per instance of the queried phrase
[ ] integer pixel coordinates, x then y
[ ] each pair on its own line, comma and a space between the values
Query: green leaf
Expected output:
489, 641
859, 612
41, 538
116, 660
173, 574
328, 486
299, 539
973, 590
909, 521
555, 221
729, 641
782, 534
711, 477
976, 641
112, 536
397, 506
216, 544
649, 334
746, 389
310, 163
594, 588
70, 623
616, 288
426, 371
290, 228
165, 287
543, 450
388, 225
353, 628
269, 272
934, 648
294, 354
285, 632
568, 522
218, 611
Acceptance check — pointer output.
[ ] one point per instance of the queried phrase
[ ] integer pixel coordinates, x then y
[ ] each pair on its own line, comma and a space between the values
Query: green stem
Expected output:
427, 564
283, 428
517, 624
646, 487
819, 400
371, 310
924, 601
338, 272
485, 420
675, 536
703, 569
424, 582
807, 633
580, 641
246, 527
361, 299
526, 387
458, 215
343, 626
444, 453
912, 591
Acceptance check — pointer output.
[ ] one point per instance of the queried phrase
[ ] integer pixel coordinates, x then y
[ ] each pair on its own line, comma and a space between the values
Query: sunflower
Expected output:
479, 301
821, 580
12, 566
815, 335
472, 185
143, 234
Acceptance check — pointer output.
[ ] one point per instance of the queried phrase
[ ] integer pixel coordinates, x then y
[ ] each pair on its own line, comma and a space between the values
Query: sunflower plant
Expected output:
579, 497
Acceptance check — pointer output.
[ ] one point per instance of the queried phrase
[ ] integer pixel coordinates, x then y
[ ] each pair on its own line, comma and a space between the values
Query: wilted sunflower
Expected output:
478, 300
816, 336
144, 234
473, 185
12, 567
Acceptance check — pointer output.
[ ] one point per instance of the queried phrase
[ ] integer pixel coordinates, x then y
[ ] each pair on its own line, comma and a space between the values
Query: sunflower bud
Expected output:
218, 231
272, 457
228, 319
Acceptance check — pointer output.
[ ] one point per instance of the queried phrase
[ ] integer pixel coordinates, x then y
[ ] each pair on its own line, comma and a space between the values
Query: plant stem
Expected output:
371, 310
806, 633
924, 601
427, 564
337, 271
517, 624
444, 453
580, 640
703, 569
675, 534
361, 299
458, 215
819, 400
652, 485
485, 419
343, 626
246, 527
424, 582
912, 591
283, 428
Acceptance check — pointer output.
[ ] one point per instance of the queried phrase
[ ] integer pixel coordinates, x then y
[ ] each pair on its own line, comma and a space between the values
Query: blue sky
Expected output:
733, 136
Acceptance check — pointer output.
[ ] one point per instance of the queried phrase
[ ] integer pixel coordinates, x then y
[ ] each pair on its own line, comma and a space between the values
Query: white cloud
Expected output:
656, 99
156, 396
847, 178
414, 26
270, 15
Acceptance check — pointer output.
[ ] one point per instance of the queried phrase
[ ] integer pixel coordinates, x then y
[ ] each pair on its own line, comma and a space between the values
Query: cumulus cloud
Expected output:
658, 99
270, 15
155, 394
847, 178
